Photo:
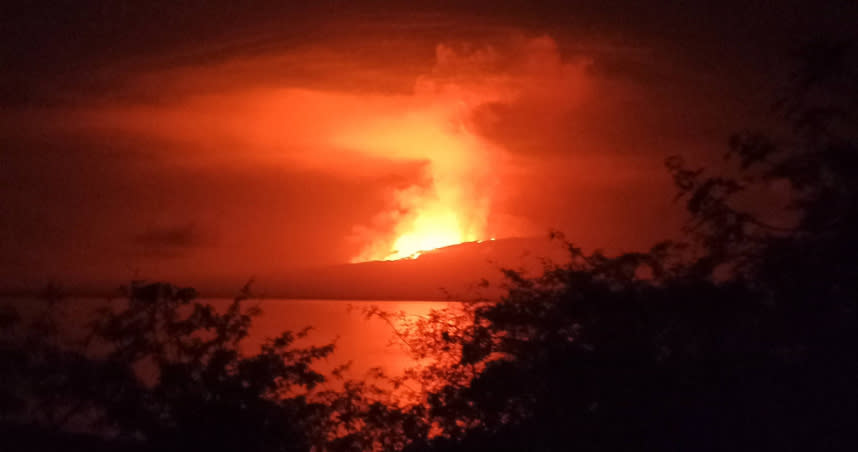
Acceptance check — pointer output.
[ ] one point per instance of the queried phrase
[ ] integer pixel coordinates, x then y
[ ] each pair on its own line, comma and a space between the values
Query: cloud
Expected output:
352, 133
170, 241
332, 137
449, 148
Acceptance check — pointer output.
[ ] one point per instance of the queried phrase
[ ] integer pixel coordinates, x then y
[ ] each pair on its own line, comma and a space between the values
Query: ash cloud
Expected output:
256, 123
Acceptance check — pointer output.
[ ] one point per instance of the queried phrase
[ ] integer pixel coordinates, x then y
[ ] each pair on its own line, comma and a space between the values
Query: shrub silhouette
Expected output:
741, 338
162, 372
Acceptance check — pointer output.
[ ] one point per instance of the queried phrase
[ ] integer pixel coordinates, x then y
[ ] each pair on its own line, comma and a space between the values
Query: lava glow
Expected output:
430, 230
450, 204
425, 154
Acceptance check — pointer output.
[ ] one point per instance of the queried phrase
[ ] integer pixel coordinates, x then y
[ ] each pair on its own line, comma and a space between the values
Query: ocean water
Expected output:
364, 342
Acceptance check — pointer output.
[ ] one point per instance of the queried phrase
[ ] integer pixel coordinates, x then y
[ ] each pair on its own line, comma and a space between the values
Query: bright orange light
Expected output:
450, 204
431, 230
442, 130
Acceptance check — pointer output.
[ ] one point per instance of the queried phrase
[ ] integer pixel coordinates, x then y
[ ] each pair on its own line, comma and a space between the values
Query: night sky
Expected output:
196, 140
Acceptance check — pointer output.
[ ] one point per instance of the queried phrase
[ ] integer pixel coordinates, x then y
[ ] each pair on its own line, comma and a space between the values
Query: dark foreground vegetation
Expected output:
741, 338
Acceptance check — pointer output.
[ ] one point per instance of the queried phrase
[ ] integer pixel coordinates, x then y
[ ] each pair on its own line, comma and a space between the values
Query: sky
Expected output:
215, 140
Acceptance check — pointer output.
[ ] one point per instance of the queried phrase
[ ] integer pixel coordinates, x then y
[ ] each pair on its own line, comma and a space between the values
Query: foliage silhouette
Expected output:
161, 372
742, 338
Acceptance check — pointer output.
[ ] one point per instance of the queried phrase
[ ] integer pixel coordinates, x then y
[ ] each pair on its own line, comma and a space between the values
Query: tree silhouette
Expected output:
161, 372
741, 338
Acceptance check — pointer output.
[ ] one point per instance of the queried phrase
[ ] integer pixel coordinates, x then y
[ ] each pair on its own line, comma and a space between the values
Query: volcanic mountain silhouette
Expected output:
453, 272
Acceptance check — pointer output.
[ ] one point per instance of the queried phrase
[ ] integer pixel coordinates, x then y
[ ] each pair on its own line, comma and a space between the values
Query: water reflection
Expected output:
366, 342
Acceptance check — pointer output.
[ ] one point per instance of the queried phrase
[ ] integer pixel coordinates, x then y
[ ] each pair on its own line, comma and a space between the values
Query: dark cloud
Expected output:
146, 134
170, 241
52, 49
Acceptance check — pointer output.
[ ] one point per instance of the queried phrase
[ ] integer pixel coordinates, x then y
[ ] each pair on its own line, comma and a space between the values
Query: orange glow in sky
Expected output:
430, 230
245, 147
426, 144
451, 204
